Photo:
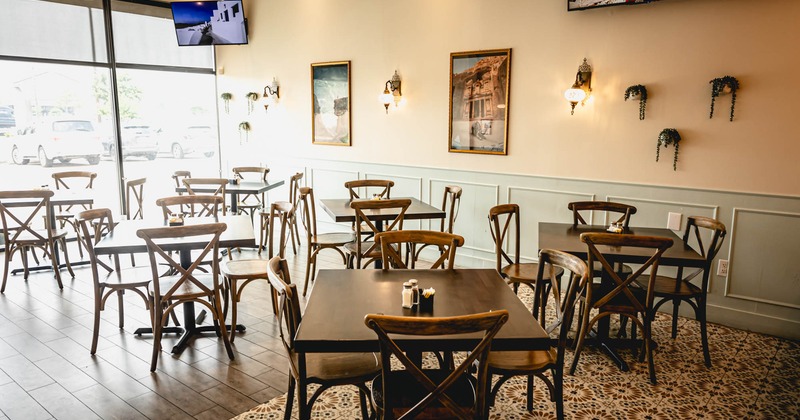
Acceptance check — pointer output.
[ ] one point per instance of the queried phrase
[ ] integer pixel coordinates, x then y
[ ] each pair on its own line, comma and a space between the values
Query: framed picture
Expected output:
591, 4
330, 99
479, 87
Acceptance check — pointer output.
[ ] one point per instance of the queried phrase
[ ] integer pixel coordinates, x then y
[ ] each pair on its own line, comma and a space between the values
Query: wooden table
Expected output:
566, 237
334, 316
123, 240
243, 187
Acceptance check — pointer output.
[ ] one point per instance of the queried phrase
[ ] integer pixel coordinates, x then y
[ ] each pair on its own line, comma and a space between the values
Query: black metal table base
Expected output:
49, 267
191, 329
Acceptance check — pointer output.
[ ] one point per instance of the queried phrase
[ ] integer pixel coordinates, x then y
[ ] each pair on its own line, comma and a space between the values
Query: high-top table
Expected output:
123, 240
243, 187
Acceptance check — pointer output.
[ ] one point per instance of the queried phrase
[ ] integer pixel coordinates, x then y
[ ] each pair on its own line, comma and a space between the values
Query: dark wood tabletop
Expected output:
339, 209
123, 239
334, 316
565, 237
243, 187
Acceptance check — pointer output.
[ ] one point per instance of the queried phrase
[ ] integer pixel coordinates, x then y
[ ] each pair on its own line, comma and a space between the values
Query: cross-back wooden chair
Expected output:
134, 197
251, 203
618, 213
179, 176
451, 203
681, 287
190, 206
21, 233
369, 250
280, 217
314, 368
294, 194
379, 188
318, 241
619, 294
534, 363
435, 393
94, 223
392, 242
73, 180
187, 285
504, 227
218, 185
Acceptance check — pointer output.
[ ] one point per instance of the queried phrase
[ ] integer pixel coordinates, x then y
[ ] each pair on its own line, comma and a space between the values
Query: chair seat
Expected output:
352, 247
521, 361
26, 238
408, 392
526, 272
667, 286
597, 270
333, 238
620, 302
188, 289
253, 268
241, 205
330, 367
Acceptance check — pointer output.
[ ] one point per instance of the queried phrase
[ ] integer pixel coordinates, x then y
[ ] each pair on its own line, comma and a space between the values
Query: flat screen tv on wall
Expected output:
209, 22
591, 4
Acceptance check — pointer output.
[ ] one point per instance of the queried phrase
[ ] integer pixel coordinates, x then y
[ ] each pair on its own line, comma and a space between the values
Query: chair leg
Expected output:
582, 332
234, 298
558, 385
701, 316
24, 257
222, 329
98, 297
66, 258
309, 256
529, 405
57, 272
676, 303
362, 401
6, 260
121, 308
287, 412
302, 401
648, 343
157, 323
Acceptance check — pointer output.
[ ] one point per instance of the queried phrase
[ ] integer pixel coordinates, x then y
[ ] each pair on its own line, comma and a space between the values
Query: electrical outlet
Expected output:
674, 221
722, 268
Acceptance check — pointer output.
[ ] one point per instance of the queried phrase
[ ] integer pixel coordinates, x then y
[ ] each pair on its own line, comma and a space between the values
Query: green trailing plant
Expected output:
252, 97
718, 87
244, 128
667, 137
226, 98
640, 92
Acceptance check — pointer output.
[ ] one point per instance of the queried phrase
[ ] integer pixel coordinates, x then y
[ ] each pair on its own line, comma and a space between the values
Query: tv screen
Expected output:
209, 22
591, 4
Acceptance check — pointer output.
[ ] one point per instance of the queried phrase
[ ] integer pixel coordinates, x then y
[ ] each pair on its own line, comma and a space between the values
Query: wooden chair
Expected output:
623, 213
314, 368
94, 223
680, 288
218, 184
179, 176
318, 241
502, 219
620, 294
369, 250
186, 286
294, 193
367, 186
190, 206
251, 203
432, 393
391, 242
134, 196
451, 203
532, 363
65, 214
280, 216
20, 233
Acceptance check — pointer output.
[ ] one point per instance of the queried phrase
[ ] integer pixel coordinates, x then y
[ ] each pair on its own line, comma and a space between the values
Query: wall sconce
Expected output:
582, 87
271, 94
391, 92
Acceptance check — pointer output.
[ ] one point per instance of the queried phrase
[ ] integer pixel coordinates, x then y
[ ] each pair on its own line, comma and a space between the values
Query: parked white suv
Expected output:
59, 139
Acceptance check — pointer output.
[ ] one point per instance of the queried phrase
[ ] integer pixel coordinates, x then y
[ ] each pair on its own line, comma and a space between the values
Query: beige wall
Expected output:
674, 47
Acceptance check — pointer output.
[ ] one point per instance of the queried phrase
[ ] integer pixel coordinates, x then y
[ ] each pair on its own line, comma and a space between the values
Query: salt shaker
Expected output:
415, 290
408, 295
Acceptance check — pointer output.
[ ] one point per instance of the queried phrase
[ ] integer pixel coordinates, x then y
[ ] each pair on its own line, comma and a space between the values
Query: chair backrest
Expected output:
18, 219
217, 184
190, 205
251, 173
308, 210
697, 227
294, 186
179, 176
489, 323
208, 245
134, 194
74, 180
451, 203
549, 260
504, 220
392, 242
624, 210
94, 224
280, 213
289, 315
626, 300
362, 209
382, 186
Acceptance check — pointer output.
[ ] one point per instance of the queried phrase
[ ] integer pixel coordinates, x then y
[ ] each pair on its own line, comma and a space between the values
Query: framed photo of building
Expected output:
479, 88
592, 4
330, 102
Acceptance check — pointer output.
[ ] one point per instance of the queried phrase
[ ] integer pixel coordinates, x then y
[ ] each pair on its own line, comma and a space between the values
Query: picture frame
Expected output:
573, 5
480, 84
330, 103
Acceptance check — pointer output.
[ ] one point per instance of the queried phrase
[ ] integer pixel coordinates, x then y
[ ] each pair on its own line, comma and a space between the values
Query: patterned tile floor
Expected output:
754, 376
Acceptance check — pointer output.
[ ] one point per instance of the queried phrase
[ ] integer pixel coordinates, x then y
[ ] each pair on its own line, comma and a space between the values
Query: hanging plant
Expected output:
252, 97
723, 85
244, 128
226, 97
638, 92
667, 137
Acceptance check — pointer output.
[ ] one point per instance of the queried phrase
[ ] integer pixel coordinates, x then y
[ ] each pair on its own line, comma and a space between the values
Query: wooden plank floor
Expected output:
46, 370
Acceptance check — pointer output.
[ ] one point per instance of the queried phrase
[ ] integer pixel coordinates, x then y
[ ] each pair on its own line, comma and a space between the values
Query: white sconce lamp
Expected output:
582, 87
391, 92
271, 94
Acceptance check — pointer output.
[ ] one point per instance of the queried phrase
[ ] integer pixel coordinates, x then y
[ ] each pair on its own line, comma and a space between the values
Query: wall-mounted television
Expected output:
209, 22
592, 4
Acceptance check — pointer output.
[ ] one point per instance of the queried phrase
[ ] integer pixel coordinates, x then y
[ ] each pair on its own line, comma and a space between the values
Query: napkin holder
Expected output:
176, 221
